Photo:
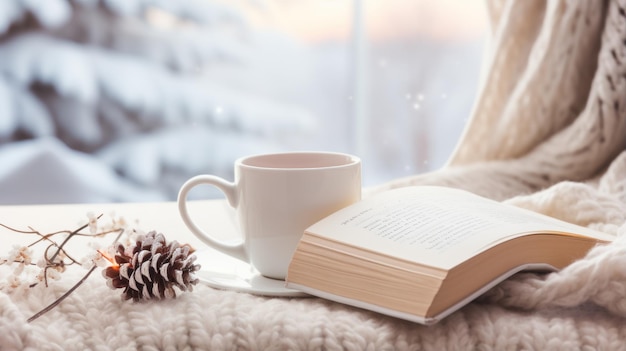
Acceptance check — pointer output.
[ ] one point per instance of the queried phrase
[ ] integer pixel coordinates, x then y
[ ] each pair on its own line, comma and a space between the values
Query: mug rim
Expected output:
348, 160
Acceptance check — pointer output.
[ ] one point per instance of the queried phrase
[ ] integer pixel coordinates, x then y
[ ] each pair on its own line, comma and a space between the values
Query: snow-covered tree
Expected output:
127, 82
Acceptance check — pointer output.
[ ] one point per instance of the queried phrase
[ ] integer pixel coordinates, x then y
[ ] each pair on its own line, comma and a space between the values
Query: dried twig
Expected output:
60, 247
54, 256
58, 301
71, 290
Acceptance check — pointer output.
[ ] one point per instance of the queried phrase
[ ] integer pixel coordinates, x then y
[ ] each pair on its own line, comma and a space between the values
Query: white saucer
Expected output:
221, 271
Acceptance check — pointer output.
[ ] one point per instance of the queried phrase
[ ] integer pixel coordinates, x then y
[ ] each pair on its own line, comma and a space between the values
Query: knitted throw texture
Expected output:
548, 133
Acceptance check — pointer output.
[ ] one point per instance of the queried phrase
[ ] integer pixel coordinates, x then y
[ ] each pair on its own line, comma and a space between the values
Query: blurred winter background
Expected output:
123, 100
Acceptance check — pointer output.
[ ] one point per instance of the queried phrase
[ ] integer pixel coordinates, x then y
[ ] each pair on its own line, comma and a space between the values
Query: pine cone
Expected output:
152, 268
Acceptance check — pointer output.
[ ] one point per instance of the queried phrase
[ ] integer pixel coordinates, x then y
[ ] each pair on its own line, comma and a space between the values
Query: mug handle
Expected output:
235, 250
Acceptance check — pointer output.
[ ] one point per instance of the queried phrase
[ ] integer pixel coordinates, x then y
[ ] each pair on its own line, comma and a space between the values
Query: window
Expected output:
151, 96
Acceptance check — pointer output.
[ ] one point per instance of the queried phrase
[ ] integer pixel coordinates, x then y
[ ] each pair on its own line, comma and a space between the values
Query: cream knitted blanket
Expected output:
548, 133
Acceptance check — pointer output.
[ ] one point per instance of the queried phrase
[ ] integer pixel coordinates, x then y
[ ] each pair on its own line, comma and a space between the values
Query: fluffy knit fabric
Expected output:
552, 106
548, 133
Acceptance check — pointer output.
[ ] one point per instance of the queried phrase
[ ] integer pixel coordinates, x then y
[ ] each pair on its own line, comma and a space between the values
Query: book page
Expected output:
434, 225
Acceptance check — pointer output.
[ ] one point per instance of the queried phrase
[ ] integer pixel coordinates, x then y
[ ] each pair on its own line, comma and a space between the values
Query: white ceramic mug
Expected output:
276, 197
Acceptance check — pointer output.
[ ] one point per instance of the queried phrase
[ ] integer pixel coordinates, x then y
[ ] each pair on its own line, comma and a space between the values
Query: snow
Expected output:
123, 100
9, 122
10, 11
50, 13
69, 177
31, 115
36, 57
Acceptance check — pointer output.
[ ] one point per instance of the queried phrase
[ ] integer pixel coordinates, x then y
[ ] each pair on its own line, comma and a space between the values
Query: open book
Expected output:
420, 253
